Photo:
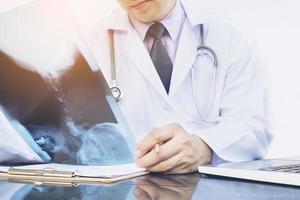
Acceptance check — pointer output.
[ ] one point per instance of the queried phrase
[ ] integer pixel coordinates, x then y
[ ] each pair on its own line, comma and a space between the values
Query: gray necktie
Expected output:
160, 56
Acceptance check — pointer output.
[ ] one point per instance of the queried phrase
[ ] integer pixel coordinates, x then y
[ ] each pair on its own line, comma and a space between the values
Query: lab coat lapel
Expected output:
136, 51
185, 57
187, 48
201, 68
141, 59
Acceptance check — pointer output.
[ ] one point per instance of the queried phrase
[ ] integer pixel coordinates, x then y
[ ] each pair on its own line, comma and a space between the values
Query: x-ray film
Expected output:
53, 92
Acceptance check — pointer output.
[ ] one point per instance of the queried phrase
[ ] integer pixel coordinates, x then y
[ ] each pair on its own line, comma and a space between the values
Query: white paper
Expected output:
86, 171
12, 144
4, 169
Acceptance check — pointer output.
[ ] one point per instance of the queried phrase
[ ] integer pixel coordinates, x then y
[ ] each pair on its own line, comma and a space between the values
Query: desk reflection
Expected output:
14, 191
232, 189
166, 187
157, 186
142, 188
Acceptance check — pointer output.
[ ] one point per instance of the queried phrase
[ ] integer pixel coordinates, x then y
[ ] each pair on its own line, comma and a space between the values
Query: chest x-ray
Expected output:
53, 92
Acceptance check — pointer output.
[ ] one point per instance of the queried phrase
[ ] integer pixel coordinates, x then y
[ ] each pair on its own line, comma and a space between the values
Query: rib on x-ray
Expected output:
68, 115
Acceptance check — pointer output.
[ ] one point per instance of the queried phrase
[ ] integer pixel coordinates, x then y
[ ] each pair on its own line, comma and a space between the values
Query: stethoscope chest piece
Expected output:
117, 93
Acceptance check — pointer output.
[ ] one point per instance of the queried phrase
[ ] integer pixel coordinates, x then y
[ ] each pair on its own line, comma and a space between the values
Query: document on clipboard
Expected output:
61, 173
56, 99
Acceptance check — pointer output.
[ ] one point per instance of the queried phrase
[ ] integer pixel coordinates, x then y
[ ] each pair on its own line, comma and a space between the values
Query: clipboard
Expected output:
52, 176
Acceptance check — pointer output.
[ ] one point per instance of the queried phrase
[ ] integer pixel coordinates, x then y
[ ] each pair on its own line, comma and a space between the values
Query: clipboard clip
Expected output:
46, 176
46, 172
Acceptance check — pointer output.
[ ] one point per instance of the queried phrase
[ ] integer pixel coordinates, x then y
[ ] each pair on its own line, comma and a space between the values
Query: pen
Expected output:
157, 148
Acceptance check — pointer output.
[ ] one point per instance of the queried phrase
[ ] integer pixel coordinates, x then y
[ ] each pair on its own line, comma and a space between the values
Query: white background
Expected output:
274, 28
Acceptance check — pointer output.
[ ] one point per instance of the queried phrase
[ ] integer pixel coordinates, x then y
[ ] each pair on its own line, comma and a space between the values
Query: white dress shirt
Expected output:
171, 40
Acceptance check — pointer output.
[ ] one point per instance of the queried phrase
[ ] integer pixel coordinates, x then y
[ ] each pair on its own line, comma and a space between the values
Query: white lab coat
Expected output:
239, 131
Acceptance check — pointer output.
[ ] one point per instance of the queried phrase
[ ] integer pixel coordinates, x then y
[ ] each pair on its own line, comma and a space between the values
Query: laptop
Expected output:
278, 171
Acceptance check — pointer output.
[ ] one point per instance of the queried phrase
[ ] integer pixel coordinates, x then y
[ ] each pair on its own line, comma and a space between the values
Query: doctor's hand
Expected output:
179, 151
166, 187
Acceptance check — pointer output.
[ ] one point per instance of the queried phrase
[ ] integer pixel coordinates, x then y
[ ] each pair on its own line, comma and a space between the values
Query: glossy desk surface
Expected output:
155, 186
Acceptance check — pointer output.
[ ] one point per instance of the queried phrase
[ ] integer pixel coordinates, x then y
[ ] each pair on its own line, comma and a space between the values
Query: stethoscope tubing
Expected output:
115, 90
203, 50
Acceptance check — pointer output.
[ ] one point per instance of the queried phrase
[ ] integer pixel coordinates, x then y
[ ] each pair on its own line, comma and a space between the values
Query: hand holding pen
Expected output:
171, 149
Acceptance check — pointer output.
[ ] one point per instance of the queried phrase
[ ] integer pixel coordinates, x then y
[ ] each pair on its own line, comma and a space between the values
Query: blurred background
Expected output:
274, 28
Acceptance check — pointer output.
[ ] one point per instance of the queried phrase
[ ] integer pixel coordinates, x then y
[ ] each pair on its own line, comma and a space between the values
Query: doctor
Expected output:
200, 105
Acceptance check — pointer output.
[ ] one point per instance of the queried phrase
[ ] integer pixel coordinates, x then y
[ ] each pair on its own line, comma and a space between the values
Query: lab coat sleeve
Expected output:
13, 149
243, 132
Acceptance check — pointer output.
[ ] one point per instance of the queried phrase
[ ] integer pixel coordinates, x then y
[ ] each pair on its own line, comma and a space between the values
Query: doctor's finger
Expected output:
160, 191
167, 165
157, 181
183, 168
141, 194
167, 150
156, 136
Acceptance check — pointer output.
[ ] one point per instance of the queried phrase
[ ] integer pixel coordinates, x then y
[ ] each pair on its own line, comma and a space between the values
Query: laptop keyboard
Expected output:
284, 168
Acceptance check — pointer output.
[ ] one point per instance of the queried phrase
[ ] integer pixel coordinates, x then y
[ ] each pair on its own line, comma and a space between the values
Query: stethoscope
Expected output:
202, 51
205, 51
116, 91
